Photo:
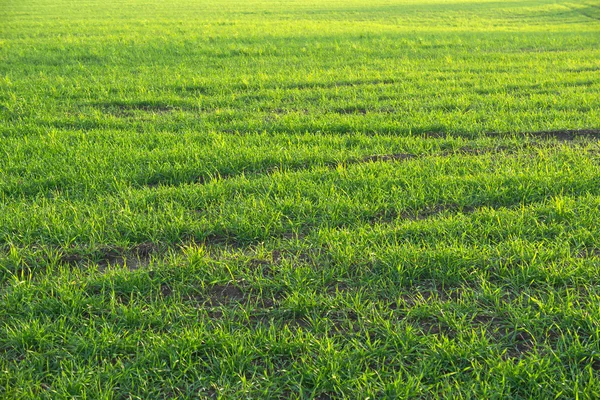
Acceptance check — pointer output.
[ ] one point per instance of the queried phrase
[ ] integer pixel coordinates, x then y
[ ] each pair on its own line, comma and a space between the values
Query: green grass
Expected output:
299, 199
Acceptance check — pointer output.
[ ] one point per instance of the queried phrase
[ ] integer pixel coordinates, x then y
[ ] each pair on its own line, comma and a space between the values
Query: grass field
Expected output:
299, 199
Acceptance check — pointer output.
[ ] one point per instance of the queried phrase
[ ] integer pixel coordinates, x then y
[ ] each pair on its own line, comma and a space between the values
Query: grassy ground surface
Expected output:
299, 199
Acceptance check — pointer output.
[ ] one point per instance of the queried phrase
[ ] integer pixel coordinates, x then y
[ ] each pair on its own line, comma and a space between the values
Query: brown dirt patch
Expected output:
225, 294
566, 135
388, 157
